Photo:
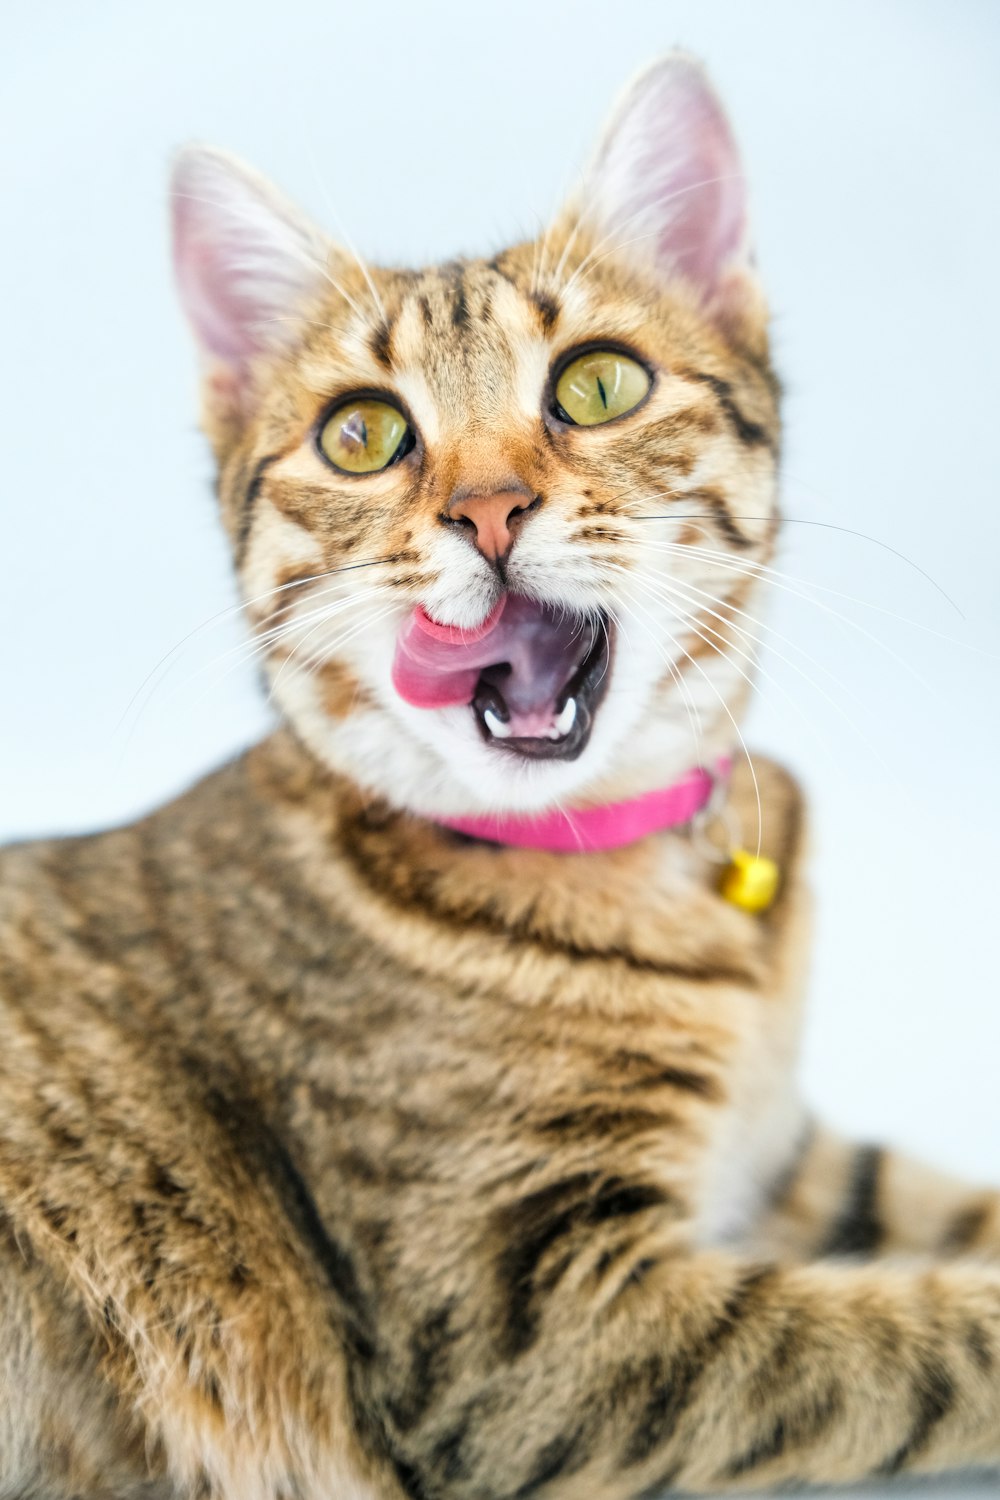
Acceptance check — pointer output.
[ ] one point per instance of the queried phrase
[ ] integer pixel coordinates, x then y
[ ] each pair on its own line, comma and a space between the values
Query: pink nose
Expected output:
494, 519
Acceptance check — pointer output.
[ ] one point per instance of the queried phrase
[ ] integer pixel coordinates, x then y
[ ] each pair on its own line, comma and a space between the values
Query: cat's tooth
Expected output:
567, 718
497, 728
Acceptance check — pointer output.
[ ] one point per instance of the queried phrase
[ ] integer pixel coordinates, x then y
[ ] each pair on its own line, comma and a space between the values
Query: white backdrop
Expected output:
870, 133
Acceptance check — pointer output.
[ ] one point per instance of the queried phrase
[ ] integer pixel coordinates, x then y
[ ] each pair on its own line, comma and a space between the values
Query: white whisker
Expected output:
667, 592
263, 643
342, 233
637, 604
167, 661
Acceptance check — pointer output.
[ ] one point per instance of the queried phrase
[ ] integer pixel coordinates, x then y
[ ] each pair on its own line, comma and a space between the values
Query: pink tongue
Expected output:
439, 665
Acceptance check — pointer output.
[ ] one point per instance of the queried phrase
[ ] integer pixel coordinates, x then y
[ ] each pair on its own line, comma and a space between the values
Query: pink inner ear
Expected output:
245, 261
669, 177
213, 295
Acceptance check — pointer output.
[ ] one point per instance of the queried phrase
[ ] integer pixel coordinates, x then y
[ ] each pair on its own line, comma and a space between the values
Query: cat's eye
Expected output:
364, 435
598, 386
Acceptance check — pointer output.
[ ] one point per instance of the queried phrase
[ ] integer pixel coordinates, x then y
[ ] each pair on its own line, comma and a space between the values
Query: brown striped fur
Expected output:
344, 1156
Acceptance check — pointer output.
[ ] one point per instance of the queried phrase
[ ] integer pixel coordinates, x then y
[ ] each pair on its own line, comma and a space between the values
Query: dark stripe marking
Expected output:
858, 1229
768, 1448
750, 433
548, 311
675, 1388
533, 1225
965, 1229
788, 1177
248, 505
979, 1347
421, 895
715, 501
460, 309
380, 344
666, 1481
605, 1119
935, 1396
685, 1080
410, 1480
449, 1459
562, 1455
794, 1430
430, 1347
255, 1139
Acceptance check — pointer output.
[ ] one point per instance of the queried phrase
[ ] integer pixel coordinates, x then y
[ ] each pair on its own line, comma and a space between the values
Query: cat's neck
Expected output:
604, 826
462, 909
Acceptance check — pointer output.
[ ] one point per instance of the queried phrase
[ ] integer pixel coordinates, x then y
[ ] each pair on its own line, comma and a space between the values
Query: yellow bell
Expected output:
750, 880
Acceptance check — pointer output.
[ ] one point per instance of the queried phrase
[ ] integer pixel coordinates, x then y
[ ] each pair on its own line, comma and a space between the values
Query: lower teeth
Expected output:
497, 728
560, 728
566, 720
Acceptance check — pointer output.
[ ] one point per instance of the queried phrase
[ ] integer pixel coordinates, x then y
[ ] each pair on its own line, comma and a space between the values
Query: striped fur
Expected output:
341, 1155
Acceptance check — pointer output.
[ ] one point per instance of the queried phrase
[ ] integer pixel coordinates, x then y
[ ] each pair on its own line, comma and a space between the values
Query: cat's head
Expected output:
497, 522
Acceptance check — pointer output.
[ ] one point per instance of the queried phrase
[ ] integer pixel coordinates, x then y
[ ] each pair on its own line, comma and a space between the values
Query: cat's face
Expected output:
498, 522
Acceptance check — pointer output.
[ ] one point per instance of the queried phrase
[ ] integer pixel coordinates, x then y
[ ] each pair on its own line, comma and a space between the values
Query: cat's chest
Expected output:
427, 1116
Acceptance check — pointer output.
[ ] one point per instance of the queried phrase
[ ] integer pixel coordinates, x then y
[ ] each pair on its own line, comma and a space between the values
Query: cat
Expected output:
409, 1108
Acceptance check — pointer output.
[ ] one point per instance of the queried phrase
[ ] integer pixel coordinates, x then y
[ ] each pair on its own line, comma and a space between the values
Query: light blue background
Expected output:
871, 134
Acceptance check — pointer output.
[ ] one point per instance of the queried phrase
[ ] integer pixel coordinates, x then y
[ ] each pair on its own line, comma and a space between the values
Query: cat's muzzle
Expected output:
533, 673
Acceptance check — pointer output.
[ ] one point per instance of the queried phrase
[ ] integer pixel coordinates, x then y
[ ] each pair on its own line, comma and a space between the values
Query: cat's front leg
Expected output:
63, 1431
840, 1198
711, 1374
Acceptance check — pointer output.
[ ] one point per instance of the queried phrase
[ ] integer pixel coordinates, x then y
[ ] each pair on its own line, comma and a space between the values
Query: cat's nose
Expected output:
493, 520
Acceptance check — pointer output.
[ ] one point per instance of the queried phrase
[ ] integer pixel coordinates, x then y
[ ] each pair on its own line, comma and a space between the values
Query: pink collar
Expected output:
589, 830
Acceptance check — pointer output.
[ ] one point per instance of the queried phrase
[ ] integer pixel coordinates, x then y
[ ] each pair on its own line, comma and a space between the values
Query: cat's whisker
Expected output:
334, 328
166, 662
539, 257
646, 622
744, 749
687, 698
747, 569
263, 641
329, 649
719, 645
716, 599
244, 653
826, 526
571, 239
553, 220
343, 237
674, 583
310, 594
260, 653
687, 611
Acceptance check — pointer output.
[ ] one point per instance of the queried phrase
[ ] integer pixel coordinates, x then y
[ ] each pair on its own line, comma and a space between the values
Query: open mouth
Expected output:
533, 675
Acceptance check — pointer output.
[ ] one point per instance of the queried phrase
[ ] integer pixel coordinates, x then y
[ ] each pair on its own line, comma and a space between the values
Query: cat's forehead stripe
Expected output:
465, 341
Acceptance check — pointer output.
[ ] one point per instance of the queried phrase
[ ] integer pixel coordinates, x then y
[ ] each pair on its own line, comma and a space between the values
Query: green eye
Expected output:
599, 386
365, 435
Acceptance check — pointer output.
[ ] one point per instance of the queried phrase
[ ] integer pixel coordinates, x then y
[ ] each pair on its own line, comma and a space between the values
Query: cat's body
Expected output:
222, 962
345, 1155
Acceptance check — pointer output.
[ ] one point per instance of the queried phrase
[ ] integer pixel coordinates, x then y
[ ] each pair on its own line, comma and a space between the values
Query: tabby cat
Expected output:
356, 1142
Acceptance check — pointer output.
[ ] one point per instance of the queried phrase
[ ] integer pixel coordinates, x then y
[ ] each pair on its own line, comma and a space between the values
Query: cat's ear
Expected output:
666, 189
246, 262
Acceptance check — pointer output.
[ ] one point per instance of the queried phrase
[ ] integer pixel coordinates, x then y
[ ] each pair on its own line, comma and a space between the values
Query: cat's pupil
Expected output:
354, 433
